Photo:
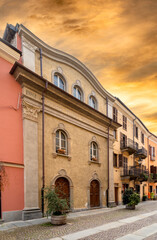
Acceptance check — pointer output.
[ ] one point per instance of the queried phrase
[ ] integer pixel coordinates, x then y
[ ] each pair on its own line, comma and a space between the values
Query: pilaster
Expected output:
30, 140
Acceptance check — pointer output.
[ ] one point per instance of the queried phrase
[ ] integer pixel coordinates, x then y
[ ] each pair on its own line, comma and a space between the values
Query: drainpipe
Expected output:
43, 131
148, 160
108, 146
133, 144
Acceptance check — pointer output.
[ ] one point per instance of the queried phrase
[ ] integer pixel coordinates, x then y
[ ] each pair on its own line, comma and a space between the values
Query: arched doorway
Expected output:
94, 193
63, 187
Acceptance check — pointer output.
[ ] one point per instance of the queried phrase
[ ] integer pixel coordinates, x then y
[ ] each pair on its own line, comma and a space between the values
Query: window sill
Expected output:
61, 155
95, 162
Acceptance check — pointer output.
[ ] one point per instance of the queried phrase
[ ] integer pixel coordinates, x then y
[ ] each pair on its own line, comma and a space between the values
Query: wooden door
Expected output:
94, 194
116, 195
63, 188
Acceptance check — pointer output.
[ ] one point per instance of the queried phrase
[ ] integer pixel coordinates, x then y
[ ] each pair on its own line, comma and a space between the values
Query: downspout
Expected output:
148, 161
43, 131
108, 146
133, 145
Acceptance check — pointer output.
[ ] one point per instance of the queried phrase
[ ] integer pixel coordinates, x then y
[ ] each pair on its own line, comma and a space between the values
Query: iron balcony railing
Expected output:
134, 172
128, 145
141, 152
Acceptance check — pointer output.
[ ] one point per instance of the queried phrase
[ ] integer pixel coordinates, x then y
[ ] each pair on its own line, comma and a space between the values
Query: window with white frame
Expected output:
93, 151
77, 92
61, 142
59, 82
92, 102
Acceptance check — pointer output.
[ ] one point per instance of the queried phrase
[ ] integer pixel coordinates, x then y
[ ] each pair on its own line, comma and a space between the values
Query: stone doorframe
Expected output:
62, 173
95, 177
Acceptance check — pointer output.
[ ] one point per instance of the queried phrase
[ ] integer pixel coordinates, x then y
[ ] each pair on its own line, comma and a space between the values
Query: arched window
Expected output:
59, 82
61, 142
77, 93
92, 102
93, 151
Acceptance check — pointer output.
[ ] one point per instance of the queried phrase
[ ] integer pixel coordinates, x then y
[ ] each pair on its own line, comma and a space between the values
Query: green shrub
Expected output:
144, 198
134, 199
151, 195
54, 204
126, 196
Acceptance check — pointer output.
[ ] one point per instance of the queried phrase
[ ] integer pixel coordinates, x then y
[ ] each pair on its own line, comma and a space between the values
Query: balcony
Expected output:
141, 153
133, 173
128, 146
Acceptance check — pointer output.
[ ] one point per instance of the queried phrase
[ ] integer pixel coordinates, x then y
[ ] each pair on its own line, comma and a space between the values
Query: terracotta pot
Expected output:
58, 220
130, 207
62, 151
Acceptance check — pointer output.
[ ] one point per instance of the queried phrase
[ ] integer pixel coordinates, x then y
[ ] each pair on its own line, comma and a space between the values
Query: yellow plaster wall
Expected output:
71, 75
78, 168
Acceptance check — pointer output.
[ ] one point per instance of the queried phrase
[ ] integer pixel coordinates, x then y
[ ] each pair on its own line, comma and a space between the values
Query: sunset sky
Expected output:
115, 39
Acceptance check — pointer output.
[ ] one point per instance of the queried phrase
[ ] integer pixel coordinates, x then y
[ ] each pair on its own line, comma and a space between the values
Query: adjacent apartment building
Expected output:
11, 132
76, 135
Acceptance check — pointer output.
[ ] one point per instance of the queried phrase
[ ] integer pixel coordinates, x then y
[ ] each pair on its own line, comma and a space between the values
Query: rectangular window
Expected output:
124, 122
120, 160
115, 163
142, 137
136, 146
115, 114
152, 152
123, 140
115, 134
136, 132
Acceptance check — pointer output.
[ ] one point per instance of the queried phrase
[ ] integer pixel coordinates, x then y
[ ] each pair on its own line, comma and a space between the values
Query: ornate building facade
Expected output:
76, 135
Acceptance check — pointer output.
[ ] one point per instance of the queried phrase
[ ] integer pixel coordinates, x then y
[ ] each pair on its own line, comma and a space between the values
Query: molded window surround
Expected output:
61, 142
93, 102
77, 92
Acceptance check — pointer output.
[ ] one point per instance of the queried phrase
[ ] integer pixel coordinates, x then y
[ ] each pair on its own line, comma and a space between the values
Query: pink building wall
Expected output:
11, 141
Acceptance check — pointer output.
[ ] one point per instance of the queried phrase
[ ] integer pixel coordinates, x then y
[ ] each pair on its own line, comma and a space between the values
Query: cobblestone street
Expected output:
77, 222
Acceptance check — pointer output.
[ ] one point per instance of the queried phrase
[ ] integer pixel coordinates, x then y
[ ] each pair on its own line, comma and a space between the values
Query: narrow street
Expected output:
115, 223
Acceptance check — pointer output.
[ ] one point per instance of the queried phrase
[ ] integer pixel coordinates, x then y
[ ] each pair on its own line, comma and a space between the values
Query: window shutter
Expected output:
134, 130
125, 141
149, 150
151, 169
153, 151
120, 160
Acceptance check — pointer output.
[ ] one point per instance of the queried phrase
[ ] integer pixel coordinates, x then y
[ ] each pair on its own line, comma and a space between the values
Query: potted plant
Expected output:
94, 158
61, 151
126, 195
134, 199
56, 206
130, 199
151, 195
144, 198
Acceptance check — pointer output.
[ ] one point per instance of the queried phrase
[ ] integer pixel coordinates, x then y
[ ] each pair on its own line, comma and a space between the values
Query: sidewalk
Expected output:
72, 215
84, 223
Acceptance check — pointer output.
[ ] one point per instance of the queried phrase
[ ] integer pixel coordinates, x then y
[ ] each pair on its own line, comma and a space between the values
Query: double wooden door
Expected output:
94, 194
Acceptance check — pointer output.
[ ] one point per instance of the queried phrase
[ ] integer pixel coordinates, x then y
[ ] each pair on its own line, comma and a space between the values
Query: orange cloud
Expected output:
115, 39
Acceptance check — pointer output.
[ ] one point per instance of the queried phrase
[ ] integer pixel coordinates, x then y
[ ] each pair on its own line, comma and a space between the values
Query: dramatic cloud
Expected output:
115, 39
